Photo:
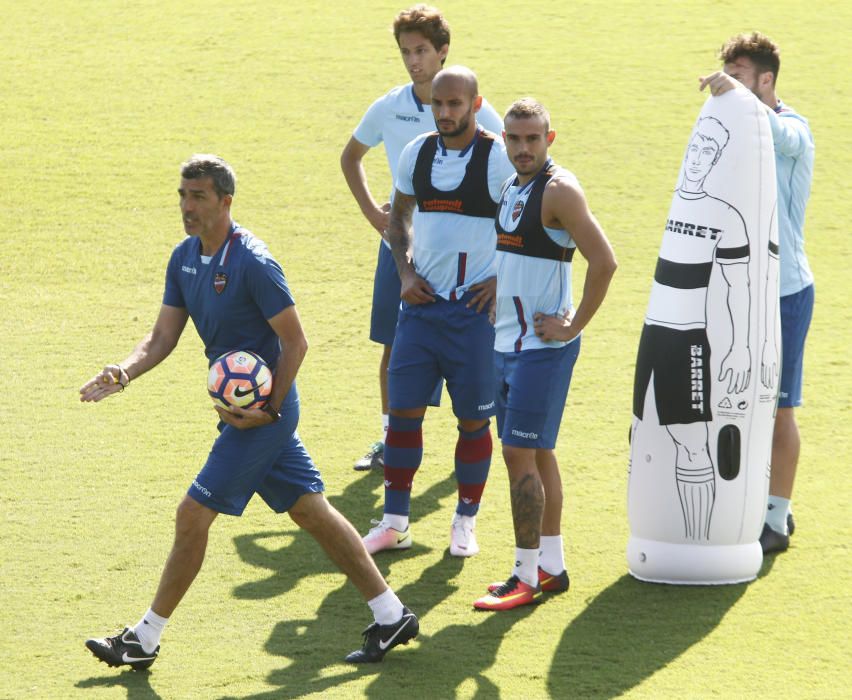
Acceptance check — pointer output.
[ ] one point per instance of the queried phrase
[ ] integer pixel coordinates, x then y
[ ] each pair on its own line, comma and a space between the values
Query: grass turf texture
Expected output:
102, 101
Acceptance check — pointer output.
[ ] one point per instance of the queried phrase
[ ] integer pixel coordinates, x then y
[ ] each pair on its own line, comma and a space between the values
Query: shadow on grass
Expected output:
301, 555
316, 637
632, 630
315, 646
137, 684
450, 657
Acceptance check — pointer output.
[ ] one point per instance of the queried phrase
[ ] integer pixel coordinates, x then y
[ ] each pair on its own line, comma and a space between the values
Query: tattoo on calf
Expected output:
527, 510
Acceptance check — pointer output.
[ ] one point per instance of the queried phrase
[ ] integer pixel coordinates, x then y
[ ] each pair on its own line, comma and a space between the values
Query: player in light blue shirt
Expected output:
542, 219
226, 281
753, 60
423, 37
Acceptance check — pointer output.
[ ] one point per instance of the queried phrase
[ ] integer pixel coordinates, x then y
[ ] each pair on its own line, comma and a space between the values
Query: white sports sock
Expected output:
776, 514
552, 558
385, 422
458, 517
149, 630
397, 522
526, 566
386, 607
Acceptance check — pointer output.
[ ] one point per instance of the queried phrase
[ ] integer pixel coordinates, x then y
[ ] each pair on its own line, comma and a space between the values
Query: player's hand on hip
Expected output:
415, 290
243, 418
548, 327
719, 83
112, 379
485, 294
380, 219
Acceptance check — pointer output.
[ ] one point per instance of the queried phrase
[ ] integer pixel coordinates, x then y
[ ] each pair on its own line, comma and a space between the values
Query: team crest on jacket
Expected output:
219, 282
518, 210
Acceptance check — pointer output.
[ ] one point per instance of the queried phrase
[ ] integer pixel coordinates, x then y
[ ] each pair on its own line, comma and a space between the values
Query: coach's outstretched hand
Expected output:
112, 379
243, 418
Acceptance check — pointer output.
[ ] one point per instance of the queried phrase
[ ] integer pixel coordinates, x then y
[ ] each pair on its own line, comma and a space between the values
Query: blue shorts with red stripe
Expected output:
443, 339
532, 387
270, 461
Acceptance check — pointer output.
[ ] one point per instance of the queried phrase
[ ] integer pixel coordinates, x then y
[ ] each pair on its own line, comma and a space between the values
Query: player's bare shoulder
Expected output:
563, 189
563, 180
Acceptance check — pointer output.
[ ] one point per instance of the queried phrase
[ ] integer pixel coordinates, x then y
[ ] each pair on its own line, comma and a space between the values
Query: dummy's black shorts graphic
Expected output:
679, 361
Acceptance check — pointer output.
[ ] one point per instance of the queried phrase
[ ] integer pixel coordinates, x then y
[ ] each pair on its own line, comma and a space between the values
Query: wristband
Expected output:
271, 412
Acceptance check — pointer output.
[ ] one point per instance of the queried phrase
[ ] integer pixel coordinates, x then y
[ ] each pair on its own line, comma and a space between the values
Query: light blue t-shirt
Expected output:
527, 284
400, 117
794, 165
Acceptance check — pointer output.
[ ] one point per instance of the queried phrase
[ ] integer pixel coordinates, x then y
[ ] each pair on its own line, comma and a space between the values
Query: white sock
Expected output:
149, 630
552, 558
385, 422
397, 522
386, 607
526, 566
776, 514
458, 517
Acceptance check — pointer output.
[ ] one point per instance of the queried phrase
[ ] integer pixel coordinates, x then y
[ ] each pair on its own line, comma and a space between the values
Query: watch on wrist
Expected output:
271, 412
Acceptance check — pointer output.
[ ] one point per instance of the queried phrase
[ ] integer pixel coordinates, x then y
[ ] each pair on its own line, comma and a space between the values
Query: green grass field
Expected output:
101, 101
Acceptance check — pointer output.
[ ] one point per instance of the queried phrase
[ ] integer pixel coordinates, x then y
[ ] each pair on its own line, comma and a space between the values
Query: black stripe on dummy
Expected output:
682, 275
740, 253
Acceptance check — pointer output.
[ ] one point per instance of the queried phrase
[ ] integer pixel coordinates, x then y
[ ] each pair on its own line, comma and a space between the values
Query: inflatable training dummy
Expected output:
705, 386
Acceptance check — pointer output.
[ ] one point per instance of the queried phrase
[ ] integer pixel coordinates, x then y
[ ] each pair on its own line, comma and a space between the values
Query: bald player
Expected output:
447, 188
423, 37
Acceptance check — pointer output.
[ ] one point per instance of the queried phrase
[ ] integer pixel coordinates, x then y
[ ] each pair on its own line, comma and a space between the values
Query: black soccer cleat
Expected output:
123, 649
374, 459
772, 541
379, 639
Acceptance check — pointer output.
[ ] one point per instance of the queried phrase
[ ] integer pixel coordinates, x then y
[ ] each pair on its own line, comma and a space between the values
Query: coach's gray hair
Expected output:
526, 108
207, 165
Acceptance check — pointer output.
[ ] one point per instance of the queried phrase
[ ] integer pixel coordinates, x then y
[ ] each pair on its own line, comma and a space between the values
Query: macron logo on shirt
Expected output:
190, 270
408, 118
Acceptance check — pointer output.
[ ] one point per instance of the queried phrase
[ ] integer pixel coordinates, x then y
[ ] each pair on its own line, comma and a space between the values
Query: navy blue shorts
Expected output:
270, 461
532, 387
796, 312
386, 291
443, 339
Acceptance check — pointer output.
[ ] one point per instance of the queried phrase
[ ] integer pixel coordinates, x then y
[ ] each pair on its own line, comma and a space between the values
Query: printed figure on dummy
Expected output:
702, 424
701, 229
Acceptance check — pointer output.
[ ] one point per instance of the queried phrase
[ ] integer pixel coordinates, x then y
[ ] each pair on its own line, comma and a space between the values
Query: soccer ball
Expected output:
240, 378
